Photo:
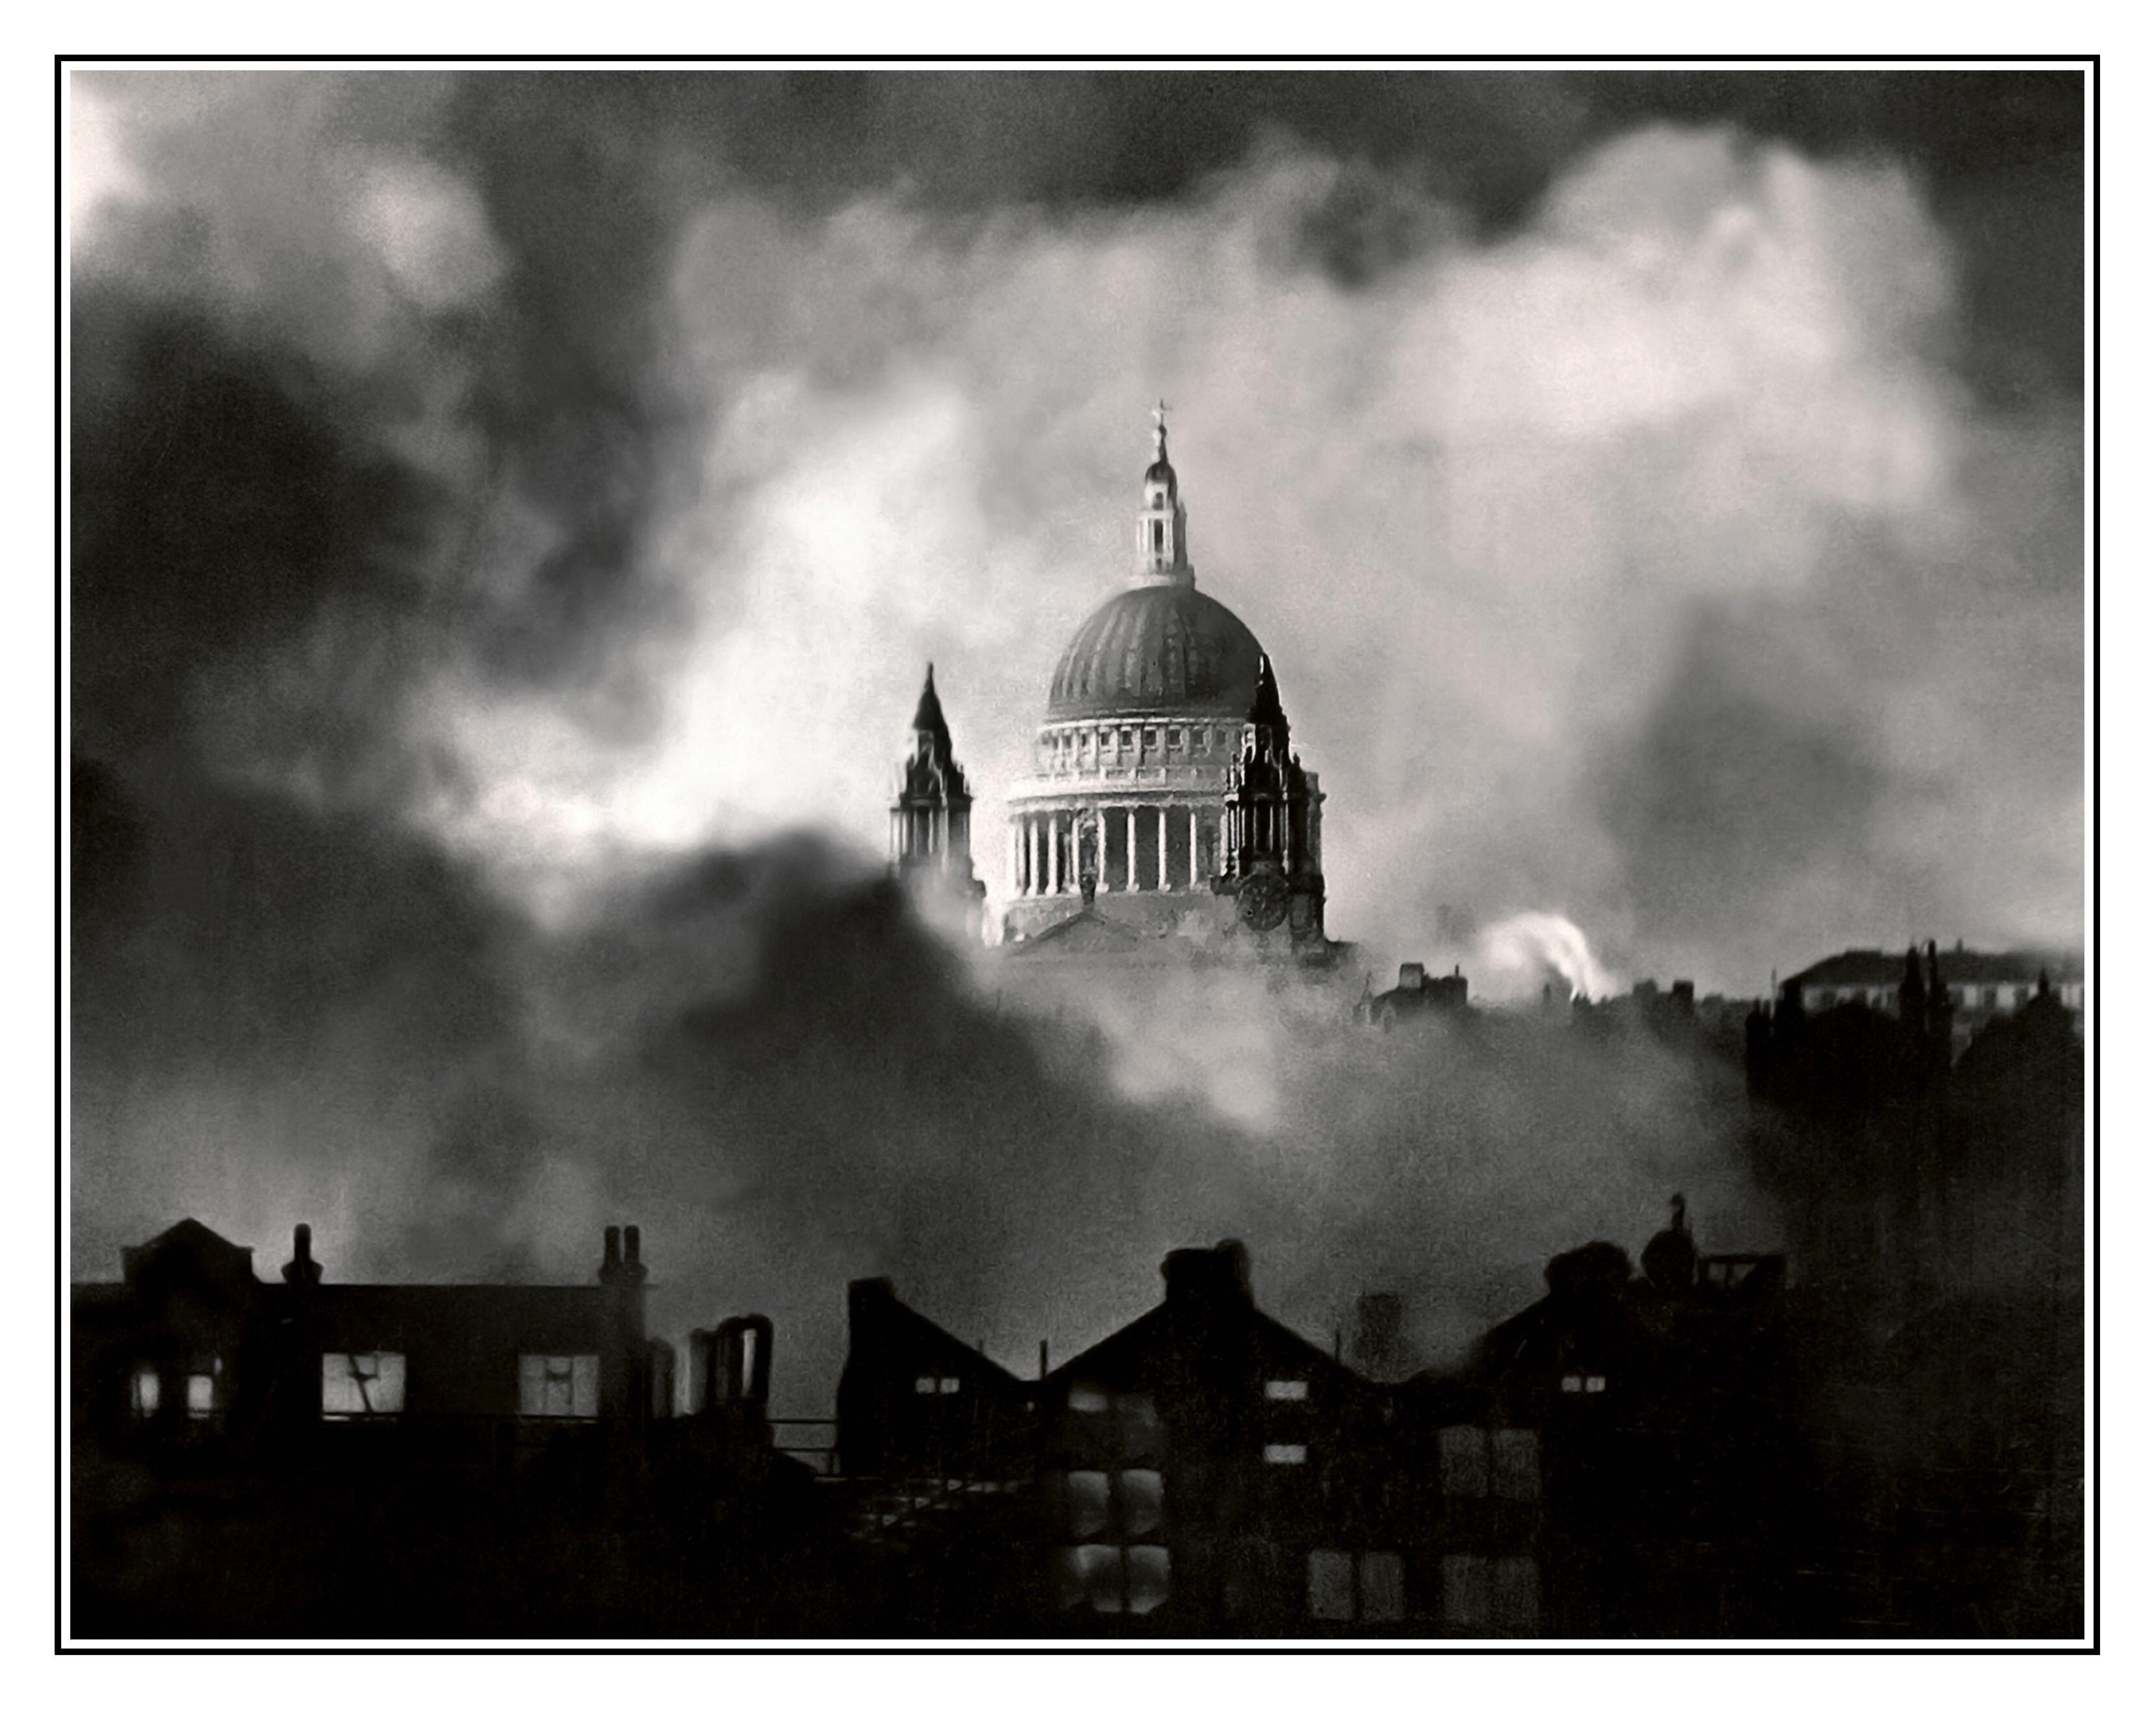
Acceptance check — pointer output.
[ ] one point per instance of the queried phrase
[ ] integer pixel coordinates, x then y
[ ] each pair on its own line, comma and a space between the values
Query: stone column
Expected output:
1056, 852
1039, 862
1160, 881
1017, 865
1130, 849
1194, 849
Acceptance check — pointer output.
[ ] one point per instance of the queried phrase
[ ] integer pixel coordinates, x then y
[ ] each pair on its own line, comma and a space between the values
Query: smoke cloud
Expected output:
512, 514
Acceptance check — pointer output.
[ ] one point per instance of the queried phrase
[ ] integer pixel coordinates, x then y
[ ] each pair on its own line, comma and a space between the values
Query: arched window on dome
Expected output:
1158, 527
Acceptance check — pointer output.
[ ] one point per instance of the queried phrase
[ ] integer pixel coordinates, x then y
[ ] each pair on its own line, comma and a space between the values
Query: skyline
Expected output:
513, 510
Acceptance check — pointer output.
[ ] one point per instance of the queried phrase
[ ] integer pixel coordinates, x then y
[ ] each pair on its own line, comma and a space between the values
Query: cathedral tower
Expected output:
1272, 820
932, 819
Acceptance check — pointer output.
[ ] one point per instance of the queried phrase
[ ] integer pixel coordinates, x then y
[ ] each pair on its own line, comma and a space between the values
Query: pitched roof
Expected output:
197, 1242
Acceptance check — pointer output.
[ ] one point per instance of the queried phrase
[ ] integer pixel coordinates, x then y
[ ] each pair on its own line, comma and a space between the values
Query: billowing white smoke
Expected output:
1521, 951
1567, 542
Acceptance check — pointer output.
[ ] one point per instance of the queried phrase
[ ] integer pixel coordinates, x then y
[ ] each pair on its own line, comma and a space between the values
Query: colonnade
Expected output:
1044, 855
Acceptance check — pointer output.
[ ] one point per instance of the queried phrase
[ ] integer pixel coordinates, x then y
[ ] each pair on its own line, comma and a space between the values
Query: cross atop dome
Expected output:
1160, 432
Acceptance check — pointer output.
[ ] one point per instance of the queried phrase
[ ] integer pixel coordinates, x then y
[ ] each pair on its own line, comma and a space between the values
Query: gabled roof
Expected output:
1275, 1342
193, 1243
927, 1337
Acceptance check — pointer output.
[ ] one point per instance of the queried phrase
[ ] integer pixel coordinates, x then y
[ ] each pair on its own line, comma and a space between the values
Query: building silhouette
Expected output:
1618, 1458
1975, 987
304, 1457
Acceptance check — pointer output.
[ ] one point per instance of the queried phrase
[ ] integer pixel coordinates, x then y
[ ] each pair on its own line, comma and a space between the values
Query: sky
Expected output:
512, 513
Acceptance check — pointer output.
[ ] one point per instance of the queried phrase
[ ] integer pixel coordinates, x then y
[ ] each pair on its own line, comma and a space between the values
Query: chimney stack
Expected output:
610, 1266
1211, 1276
301, 1269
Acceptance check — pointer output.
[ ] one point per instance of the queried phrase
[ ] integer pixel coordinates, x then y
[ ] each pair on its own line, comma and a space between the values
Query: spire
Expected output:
932, 817
928, 716
1160, 432
1265, 704
932, 742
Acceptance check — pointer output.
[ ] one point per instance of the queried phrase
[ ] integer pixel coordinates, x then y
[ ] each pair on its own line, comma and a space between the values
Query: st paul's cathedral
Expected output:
1167, 805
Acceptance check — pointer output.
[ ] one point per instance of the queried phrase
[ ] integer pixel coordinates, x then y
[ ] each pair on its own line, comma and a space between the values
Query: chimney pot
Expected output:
613, 1263
632, 1242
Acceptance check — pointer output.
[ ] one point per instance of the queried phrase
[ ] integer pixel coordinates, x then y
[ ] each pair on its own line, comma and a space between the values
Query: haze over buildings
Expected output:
512, 514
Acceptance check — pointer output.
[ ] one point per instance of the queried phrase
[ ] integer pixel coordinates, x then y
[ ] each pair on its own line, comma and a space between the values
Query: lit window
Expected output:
1089, 1573
1515, 1465
1087, 1399
1337, 1577
1287, 1390
1141, 1426
1138, 1491
1596, 1384
946, 1387
558, 1386
1384, 1587
1518, 1595
144, 1391
1286, 1455
1145, 1577
924, 1386
201, 1396
1085, 1498
1332, 1585
1467, 1591
359, 1384
1569, 1384
1110, 1580
1463, 1461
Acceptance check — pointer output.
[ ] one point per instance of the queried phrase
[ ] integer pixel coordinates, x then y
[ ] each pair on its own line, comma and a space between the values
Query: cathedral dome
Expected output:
1161, 648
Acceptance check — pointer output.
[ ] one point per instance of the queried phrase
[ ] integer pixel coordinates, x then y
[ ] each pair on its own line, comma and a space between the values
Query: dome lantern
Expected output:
1162, 547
